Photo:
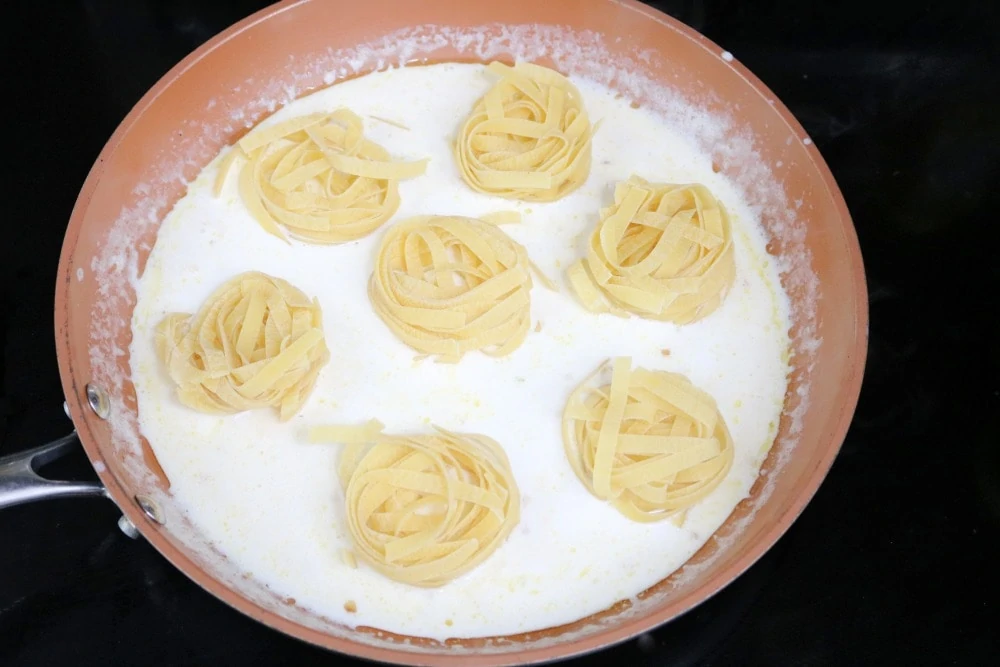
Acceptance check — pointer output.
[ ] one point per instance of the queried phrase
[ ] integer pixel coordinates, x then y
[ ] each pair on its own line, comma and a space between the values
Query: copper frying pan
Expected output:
237, 78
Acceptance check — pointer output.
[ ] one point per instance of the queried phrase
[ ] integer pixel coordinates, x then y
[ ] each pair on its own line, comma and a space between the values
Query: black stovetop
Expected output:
894, 561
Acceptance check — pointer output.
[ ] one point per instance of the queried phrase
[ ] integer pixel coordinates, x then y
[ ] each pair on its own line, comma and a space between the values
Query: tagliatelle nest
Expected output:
528, 138
649, 442
256, 342
447, 285
662, 251
424, 509
318, 178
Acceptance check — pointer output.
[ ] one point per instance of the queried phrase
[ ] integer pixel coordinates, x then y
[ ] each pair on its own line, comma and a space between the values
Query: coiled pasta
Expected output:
662, 251
447, 285
649, 442
528, 138
318, 178
256, 342
424, 509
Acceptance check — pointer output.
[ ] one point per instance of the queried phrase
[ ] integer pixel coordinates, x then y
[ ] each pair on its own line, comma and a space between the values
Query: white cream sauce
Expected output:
272, 503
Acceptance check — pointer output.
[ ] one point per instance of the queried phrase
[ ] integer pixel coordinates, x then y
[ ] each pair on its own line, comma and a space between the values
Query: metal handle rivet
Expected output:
97, 398
150, 508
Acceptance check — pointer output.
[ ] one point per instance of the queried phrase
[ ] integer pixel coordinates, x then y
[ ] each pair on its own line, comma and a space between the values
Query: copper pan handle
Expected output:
21, 483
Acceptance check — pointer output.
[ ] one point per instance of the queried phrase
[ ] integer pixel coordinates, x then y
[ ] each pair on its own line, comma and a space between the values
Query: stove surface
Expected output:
890, 563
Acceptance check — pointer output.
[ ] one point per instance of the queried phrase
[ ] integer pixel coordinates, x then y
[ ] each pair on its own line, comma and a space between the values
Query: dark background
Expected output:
895, 560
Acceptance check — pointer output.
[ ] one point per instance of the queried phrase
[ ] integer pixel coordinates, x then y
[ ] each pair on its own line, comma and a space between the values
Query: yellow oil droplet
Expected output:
448, 622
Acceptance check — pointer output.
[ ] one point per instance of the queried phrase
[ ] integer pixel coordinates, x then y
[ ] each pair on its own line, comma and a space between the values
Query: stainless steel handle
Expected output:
20, 483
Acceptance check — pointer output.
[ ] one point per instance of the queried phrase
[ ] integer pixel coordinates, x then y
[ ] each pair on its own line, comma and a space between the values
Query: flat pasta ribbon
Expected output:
649, 442
256, 342
425, 509
528, 138
447, 285
318, 178
662, 251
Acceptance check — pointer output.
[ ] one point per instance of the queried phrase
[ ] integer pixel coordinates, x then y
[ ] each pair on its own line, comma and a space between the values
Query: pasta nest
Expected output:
424, 509
447, 285
528, 138
649, 442
662, 251
256, 342
318, 178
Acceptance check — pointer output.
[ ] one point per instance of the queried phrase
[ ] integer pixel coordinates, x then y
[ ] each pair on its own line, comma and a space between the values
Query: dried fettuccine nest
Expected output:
447, 285
318, 178
649, 442
528, 138
424, 509
662, 251
256, 342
